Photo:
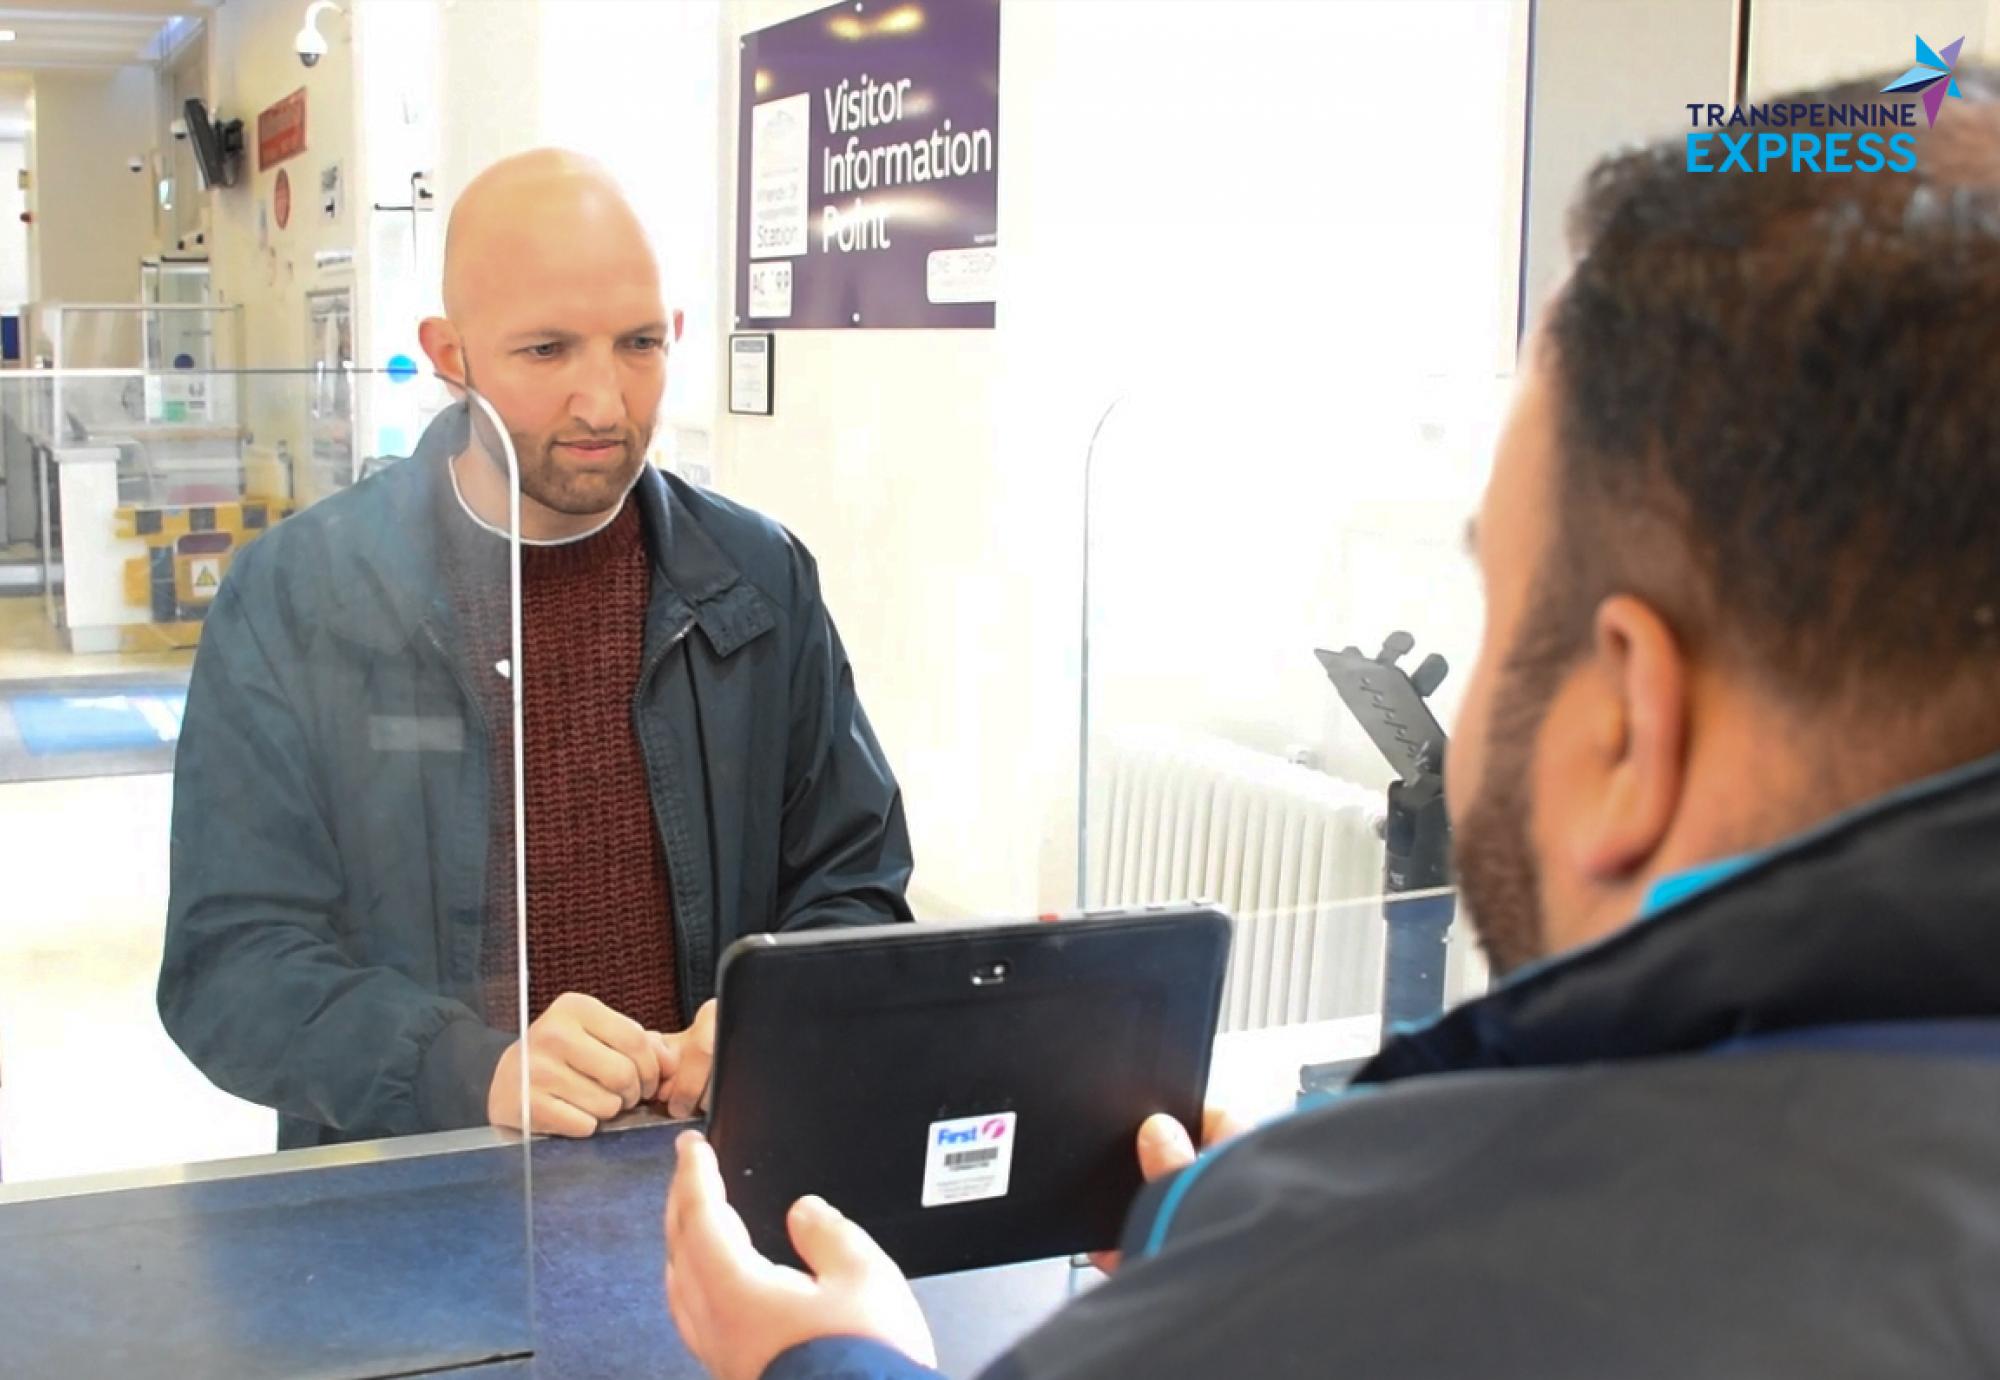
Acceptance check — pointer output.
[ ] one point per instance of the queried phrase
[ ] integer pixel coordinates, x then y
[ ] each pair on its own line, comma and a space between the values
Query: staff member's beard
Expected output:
542, 475
1498, 877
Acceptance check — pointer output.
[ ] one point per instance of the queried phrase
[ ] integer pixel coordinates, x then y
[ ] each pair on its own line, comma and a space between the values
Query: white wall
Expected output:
634, 83
14, 286
28, 348
1302, 306
1612, 74
1801, 43
267, 269
492, 82
1609, 74
453, 87
882, 456
399, 62
93, 216
1197, 226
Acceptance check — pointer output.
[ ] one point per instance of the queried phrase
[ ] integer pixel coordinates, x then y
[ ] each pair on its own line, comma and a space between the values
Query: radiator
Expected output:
1293, 854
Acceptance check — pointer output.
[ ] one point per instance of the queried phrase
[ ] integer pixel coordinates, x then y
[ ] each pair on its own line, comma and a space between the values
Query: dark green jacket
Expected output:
331, 795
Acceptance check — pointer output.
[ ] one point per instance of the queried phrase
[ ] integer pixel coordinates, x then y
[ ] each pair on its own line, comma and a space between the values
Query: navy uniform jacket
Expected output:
1756, 1133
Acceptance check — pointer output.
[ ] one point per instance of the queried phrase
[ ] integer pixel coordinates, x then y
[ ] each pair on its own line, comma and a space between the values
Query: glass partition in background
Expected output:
259, 952
175, 282
169, 364
176, 328
1243, 560
1284, 411
1302, 1009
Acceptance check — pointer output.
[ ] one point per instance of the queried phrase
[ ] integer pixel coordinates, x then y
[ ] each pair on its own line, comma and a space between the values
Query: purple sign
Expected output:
868, 167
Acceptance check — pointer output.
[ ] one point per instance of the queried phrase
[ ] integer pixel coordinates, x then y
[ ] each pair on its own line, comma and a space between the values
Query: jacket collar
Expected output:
401, 554
1883, 914
698, 575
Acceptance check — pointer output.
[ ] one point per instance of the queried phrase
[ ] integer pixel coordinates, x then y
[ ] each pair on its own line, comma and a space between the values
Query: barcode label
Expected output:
968, 1159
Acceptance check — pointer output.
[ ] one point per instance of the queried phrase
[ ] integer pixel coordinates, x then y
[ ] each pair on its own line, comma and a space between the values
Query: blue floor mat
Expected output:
114, 719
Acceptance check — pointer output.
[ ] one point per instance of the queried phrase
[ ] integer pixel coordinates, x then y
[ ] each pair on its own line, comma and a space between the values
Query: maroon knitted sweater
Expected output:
600, 917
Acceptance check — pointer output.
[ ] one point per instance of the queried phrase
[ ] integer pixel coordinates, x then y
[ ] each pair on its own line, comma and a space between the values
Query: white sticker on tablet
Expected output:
969, 1158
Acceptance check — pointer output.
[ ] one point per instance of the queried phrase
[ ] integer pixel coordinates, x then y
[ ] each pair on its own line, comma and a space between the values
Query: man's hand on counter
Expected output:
586, 1064
683, 1062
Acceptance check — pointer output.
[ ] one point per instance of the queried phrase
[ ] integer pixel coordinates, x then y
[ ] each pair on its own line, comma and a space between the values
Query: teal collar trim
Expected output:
1678, 886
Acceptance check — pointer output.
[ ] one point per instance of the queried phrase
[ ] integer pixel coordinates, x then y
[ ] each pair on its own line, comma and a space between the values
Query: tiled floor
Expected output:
32, 649
89, 1081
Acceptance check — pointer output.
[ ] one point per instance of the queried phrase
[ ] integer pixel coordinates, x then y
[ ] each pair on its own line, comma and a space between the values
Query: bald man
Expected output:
343, 942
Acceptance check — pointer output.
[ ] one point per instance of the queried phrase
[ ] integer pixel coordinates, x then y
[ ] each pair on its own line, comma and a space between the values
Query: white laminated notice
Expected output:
962, 275
771, 290
780, 169
969, 1158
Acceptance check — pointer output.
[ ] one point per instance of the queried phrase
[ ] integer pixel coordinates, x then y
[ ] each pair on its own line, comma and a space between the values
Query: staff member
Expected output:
1726, 788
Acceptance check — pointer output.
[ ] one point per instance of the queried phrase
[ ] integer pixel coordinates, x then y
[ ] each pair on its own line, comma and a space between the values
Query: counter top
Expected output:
412, 1256
414, 1260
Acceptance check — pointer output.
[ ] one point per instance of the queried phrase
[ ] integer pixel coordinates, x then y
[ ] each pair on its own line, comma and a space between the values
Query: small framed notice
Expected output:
750, 361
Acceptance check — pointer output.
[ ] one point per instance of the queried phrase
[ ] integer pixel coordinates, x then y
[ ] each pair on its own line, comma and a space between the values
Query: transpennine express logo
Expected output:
1932, 76
1821, 136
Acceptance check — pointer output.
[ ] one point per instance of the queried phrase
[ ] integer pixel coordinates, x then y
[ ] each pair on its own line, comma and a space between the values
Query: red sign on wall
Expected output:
281, 130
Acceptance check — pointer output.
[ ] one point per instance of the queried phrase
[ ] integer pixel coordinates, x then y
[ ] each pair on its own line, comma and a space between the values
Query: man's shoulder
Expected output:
1560, 1126
762, 549
325, 547
1348, 1233
736, 527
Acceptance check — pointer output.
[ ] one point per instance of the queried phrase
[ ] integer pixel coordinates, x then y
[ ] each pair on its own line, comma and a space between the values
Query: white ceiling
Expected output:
87, 33
80, 35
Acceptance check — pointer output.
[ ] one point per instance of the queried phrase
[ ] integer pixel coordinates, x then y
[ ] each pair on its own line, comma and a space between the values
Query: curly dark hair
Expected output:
1778, 416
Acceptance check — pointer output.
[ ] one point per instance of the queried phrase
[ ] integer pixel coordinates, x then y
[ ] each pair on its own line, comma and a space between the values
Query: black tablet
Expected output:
971, 1094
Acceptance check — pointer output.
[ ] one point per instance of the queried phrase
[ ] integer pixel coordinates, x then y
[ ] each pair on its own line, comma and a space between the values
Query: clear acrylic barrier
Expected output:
113, 450
159, 336
1284, 405
1228, 543
250, 1011
1302, 1009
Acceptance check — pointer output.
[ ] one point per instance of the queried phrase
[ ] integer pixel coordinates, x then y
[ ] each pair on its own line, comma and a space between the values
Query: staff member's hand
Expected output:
586, 1064
738, 1312
1164, 1148
683, 1062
